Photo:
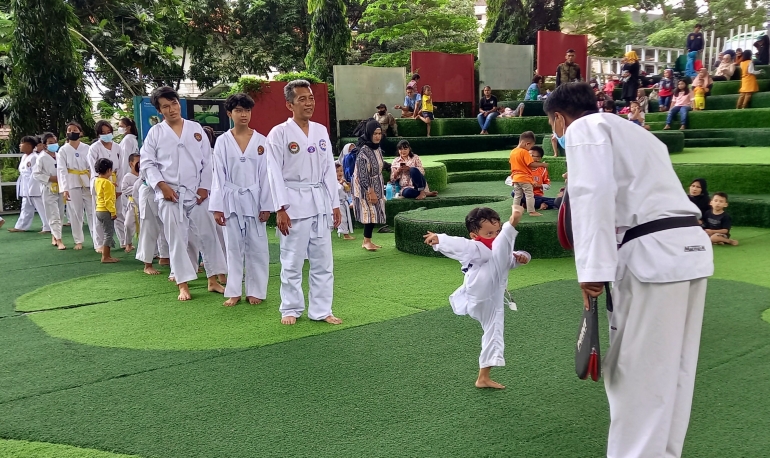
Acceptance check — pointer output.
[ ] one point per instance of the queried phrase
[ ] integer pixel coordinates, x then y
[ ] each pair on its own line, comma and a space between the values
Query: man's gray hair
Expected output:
289, 92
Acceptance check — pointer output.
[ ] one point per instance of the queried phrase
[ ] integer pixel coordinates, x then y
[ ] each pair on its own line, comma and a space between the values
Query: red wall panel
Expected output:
450, 76
552, 47
270, 109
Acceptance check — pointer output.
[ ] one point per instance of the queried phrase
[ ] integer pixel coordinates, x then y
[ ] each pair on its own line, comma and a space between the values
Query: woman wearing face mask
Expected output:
130, 144
105, 148
45, 172
75, 182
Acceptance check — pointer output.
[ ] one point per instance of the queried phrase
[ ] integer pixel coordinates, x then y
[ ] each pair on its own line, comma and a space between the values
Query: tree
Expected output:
517, 22
46, 86
329, 37
394, 28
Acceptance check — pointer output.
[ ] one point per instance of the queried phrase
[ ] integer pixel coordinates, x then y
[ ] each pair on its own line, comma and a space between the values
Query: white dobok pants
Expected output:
649, 370
51, 203
30, 205
151, 236
248, 246
81, 202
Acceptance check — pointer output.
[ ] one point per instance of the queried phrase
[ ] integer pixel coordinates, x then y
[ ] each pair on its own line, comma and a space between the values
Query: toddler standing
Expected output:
346, 199
522, 166
131, 210
105, 205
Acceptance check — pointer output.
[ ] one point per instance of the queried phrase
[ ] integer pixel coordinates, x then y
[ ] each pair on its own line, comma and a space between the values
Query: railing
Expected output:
6, 184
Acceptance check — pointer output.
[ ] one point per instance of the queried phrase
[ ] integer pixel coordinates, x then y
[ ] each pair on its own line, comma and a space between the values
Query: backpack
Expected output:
349, 164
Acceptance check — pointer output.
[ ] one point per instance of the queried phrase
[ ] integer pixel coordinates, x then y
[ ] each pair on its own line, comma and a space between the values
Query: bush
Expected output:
426, 146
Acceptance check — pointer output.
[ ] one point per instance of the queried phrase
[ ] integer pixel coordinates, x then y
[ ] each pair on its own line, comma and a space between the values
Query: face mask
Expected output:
561, 140
121, 130
106, 138
52, 148
73, 136
487, 242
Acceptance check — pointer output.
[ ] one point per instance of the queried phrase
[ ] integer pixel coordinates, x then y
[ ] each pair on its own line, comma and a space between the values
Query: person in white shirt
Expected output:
486, 260
45, 173
303, 184
241, 203
28, 189
129, 144
75, 182
634, 225
176, 161
131, 210
106, 148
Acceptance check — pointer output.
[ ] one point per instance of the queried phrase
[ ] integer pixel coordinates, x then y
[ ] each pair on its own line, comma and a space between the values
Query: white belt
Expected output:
322, 203
235, 201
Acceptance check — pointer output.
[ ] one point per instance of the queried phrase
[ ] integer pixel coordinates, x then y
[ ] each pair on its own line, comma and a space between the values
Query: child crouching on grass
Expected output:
105, 206
486, 260
717, 222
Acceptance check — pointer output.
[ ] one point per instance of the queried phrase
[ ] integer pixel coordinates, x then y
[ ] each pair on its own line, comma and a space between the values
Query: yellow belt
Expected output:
55, 188
80, 174
136, 215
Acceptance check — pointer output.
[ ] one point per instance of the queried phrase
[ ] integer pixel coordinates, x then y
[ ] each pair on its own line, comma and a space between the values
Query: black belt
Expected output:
658, 226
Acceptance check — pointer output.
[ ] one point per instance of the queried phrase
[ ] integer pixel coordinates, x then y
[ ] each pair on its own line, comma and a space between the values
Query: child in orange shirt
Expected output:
542, 182
522, 166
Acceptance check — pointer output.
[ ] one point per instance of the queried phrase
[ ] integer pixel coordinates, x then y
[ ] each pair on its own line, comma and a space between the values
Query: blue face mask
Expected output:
52, 148
562, 142
106, 138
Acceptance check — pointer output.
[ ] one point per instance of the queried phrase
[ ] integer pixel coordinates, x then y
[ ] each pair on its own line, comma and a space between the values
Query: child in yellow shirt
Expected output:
699, 102
105, 206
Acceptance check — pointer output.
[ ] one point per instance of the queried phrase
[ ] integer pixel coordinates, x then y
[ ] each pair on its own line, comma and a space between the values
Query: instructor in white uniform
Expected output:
634, 225
303, 183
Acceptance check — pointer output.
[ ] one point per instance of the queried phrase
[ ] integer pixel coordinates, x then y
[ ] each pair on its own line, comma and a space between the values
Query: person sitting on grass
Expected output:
410, 103
636, 115
699, 195
408, 171
681, 103
105, 206
717, 222
487, 110
542, 182
522, 166
424, 111
486, 260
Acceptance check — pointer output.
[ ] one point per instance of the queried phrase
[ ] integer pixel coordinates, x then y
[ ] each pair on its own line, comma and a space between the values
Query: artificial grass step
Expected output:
708, 142
720, 119
453, 144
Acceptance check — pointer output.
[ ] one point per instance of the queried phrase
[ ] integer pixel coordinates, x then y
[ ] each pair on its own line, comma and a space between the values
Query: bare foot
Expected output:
254, 300
13, 229
42, 232
53, 241
667, 127
222, 278
98, 249
164, 262
347, 237
109, 260
431, 194
489, 383
421, 196
129, 248
377, 246
732, 242
331, 319
544, 206
230, 302
369, 246
535, 214
288, 320
682, 128
172, 279
215, 287
184, 292
150, 270
78, 246
60, 246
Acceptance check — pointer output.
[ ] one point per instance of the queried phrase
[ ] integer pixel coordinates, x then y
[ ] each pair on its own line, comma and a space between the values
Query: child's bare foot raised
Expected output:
230, 302
254, 300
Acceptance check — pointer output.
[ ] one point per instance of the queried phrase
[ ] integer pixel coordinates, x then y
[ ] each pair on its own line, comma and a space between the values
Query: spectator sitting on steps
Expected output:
386, 120
410, 103
487, 110
414, 81
408, 172
569, 71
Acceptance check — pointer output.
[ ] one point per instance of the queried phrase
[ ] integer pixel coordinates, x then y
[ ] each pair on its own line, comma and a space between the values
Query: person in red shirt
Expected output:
541, 182
522, 166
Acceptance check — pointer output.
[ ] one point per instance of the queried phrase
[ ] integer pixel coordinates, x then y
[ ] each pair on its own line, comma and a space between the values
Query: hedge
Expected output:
732, 87
537, 236
738, 137
426, 146
729, 178
721, 119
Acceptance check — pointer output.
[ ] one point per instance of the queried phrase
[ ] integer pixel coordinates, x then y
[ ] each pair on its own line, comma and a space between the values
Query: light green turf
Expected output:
766, 315
731, 155
27, 449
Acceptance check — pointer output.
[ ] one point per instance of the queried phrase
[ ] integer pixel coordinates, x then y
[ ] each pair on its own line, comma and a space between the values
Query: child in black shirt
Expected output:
717, 223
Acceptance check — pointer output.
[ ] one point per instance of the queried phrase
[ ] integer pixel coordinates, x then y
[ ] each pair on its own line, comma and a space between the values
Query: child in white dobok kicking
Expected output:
241, 202
486, 260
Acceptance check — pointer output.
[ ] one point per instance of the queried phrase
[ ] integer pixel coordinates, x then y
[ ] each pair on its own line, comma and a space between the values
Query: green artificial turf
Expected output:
751, 155
27, 449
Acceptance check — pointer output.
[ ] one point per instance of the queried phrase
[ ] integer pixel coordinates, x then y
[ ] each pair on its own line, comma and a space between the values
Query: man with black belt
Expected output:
634, 225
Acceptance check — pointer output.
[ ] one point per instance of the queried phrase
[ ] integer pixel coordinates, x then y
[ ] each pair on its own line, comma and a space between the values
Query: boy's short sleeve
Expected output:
727, 223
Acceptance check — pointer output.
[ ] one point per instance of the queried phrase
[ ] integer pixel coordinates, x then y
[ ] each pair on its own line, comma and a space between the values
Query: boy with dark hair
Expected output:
486, 260
131, 209
106, 210
44, 172
241, 202
176, 164
609, 107
522, 166
541, 182
717, 223
28, 189
695, 39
